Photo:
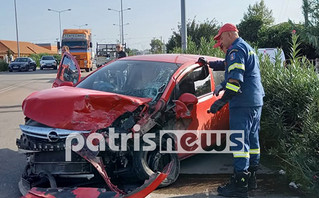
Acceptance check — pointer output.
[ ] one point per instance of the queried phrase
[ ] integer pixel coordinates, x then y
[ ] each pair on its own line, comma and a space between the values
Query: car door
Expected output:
69, 72
202, 86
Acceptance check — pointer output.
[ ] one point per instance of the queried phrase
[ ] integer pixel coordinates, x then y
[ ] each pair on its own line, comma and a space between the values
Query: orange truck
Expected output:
80, 45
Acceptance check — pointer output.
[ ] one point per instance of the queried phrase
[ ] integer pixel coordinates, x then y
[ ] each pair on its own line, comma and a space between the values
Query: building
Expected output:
26, 49
49, 46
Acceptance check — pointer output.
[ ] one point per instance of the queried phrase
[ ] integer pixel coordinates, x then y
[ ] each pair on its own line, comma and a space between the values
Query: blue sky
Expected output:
147, 18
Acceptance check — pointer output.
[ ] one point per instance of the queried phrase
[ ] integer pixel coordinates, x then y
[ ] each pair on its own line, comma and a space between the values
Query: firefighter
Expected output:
244, 92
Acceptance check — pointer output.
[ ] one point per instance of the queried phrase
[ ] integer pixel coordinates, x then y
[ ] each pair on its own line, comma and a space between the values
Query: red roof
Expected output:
25, 47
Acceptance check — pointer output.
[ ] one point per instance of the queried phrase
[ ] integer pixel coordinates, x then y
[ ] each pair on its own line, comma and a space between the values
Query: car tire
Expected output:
10, 70
41, 68
34, 68
55, 68
146, 163
87, 69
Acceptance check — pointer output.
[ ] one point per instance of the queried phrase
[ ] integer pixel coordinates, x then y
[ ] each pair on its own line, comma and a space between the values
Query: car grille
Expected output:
47, 133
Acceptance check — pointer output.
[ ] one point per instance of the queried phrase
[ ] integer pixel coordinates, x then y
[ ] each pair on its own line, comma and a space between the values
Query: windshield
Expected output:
21, 60
47, 58
145, 79
75, 44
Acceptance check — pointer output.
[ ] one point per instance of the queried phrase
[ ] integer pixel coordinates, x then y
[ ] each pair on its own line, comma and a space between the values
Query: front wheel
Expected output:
87, 69
147, 163
34, 68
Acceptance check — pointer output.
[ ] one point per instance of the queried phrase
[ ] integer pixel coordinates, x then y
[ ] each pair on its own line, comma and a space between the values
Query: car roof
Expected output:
170, 58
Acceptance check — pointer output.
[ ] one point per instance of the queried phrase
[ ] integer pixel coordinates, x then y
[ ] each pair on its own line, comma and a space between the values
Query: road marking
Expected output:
15, 86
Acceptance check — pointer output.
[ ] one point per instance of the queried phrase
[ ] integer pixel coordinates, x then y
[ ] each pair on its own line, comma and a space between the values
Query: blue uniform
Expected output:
241, 63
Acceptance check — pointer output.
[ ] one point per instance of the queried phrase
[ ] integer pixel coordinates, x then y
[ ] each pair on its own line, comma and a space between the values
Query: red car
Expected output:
138, 95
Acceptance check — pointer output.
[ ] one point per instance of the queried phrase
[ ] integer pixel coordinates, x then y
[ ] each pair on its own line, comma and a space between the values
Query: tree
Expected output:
195, 31
311, 15
156, 46
257, 17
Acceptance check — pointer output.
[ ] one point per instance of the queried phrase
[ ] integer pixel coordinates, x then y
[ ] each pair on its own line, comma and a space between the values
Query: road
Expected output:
14, 87
200, 175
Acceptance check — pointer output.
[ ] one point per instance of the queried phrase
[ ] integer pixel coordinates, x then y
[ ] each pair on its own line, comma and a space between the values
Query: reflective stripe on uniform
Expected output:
254, 151
241, 154
251, 53
232, 87
236, 66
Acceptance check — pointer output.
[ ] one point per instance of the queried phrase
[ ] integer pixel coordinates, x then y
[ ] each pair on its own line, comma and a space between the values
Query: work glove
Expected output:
218, 89
216, 106
202, 61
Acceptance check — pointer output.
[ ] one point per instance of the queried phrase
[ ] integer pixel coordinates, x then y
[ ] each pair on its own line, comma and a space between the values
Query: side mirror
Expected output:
189, 100
184, 105
67, 83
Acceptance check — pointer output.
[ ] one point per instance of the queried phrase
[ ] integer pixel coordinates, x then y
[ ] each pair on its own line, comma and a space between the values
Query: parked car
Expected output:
48, 62
22, 64
138, 94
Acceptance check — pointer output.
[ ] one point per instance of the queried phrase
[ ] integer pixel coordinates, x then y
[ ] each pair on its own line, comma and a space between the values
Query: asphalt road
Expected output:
14, 87
200, 176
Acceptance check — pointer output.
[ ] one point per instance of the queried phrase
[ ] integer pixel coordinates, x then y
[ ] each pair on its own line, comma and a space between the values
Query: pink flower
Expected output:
293, 31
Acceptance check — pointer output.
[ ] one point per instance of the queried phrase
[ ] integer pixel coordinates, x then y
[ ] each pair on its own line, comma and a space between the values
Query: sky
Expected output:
147, 19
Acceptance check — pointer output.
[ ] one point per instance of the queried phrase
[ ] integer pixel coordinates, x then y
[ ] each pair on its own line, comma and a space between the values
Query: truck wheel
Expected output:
146, 163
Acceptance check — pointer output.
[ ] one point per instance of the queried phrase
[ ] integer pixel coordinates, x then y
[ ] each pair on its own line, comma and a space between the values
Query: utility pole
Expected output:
122, 22
16, 16
59, 12
183, 25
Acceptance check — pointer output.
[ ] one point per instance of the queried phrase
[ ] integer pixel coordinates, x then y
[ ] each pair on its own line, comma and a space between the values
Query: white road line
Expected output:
15, 86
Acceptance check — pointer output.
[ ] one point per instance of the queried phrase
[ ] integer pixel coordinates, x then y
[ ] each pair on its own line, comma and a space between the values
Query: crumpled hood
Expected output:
78, 109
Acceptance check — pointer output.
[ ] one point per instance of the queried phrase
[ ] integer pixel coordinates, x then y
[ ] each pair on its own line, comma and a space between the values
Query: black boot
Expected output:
238, 186
252, 182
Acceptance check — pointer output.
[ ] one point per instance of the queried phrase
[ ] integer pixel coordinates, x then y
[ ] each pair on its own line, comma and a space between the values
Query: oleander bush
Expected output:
290, 118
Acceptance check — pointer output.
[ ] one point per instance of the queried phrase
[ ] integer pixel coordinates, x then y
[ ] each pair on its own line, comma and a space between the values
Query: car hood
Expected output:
18, 63
78, 109
47, 61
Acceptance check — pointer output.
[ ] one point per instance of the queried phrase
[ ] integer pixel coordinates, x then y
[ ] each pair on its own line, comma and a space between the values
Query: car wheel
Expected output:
146, 163
41, 68
10, 70
87, 69
34, 68
55, 68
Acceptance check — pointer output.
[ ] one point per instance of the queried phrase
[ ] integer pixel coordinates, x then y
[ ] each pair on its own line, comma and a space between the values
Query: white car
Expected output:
273, 53
48, 62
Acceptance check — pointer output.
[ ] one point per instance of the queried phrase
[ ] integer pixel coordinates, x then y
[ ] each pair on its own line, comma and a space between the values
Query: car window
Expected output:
68, 70
197, 82
47, 58
146, 79
219, 76
21, 60
202, 86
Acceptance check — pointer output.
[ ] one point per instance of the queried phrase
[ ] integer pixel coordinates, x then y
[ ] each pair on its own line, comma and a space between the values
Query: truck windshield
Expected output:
75, 44
145, 79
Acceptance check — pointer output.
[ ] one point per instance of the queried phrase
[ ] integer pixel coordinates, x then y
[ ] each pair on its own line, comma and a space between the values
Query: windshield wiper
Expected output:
161, 88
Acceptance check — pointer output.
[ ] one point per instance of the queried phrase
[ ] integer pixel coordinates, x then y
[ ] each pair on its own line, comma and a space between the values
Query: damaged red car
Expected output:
132, 95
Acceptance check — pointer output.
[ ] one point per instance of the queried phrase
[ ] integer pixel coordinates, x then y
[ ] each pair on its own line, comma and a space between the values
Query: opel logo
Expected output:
53, 136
